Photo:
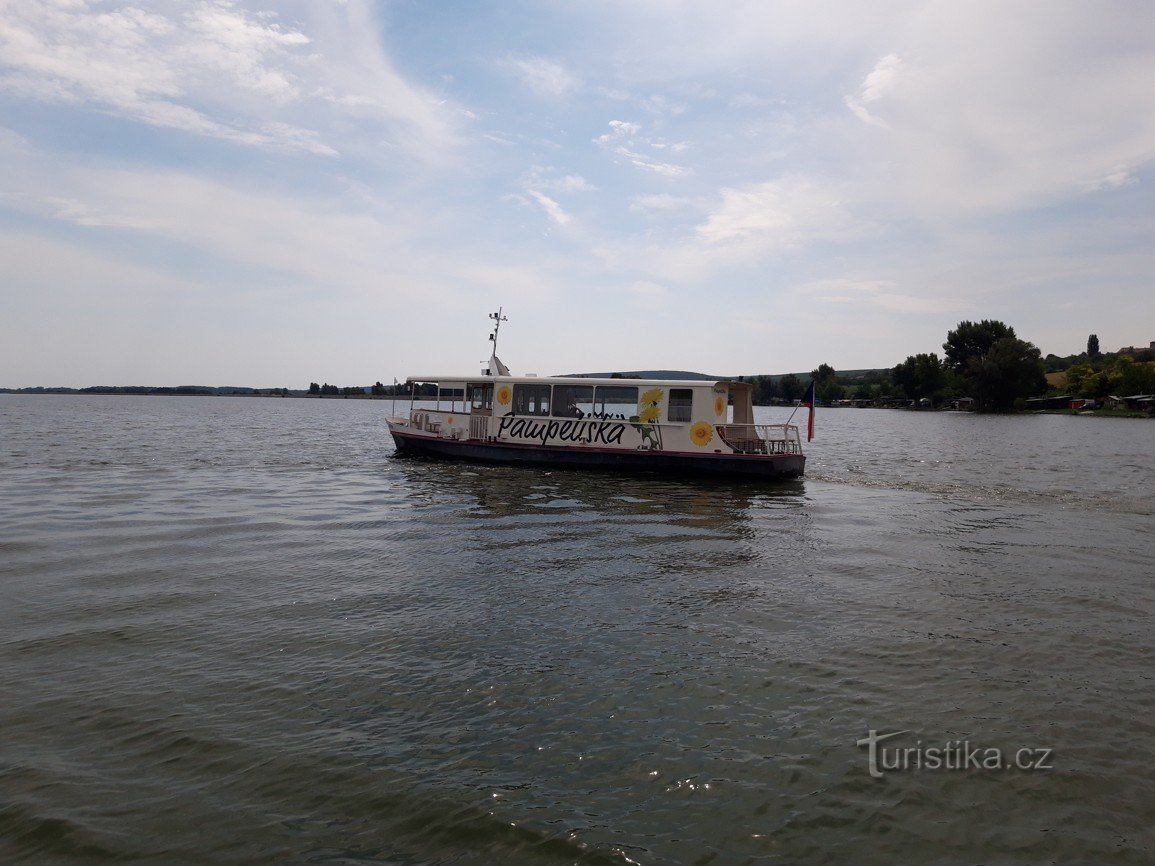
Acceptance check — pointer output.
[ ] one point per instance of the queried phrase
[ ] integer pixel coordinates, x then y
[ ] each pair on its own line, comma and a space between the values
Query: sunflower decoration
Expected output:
649, 414
701, 433
719, 405
650, 398
504, 395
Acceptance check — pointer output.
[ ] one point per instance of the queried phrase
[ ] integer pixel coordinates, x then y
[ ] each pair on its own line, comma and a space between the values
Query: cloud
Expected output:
551, 207
212, 68
658, 104
881, 80
619, 130
541, 177
623, 140
778, 214
544, 77
882, 293
974, 120
1114, 179
540, 180
659, 202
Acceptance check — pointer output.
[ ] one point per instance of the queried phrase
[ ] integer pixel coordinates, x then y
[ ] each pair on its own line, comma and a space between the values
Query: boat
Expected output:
663, 425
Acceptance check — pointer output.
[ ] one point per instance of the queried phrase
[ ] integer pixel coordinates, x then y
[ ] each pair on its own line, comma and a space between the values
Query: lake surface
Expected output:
239, 630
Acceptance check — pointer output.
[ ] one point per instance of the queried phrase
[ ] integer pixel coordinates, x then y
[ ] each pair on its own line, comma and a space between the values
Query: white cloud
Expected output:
213, 68
881, 80
544, 77
659, 202
619, 129
1115, 179
658, 104
880, 293
542, 177
779, 214
623, 140
551, 207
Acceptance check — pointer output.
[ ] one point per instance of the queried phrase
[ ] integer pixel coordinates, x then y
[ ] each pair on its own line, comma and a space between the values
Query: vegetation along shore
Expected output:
985, 367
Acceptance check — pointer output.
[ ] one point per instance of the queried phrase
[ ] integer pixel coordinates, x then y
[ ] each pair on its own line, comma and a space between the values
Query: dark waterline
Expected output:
241, 631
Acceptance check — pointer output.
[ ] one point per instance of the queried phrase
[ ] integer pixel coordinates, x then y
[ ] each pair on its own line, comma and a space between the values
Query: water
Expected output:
239, 630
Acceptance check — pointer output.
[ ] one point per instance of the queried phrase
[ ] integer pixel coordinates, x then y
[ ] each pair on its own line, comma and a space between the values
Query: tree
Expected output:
920, 376
1133, 377
970, 340
997, 367
314, 388
765, 390
826, 384
1093, 346
1122, 375
790, 387
1084, 380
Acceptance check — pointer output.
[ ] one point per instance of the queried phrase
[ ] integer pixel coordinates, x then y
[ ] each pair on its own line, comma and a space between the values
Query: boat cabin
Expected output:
642, 414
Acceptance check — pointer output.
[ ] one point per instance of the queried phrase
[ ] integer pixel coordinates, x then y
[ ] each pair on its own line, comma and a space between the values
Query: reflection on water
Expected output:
239, 630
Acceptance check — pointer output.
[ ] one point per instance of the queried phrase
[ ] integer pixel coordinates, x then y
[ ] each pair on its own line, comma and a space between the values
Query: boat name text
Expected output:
589, 432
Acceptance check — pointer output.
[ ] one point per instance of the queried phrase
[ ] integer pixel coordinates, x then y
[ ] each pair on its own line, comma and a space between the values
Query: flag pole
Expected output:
809, 399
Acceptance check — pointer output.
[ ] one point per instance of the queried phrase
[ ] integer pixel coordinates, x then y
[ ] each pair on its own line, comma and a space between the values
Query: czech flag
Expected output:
808, 402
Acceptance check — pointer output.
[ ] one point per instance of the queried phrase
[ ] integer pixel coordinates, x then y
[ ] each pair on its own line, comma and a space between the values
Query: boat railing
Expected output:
478, 426
761, 438
436, 421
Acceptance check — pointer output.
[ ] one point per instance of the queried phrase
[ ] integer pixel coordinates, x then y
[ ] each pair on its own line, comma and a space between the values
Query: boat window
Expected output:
573, 401
681, 404
450, 394
531, 399
481, 396
616, 401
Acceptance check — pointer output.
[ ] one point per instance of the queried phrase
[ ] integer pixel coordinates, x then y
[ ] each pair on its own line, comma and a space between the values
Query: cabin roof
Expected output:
457, 381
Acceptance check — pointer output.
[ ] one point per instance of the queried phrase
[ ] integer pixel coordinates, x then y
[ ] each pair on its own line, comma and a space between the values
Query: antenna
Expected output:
495, 368
498, 318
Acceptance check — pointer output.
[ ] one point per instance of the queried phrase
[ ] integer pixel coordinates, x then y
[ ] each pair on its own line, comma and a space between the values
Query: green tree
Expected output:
920, 376
765, 390
314, 388
1083, 380
790, 387
997, 367
1129, 376
1093, 346
826, 384
972, 339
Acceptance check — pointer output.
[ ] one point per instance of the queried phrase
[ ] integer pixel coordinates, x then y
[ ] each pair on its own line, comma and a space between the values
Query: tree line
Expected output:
984, 361
375, 390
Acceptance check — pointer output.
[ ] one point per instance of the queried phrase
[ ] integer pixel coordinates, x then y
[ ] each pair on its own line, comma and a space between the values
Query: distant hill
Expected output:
645, 374
162, 391
686, 374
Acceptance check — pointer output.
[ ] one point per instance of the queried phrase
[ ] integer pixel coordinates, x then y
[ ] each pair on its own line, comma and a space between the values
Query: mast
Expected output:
496, 368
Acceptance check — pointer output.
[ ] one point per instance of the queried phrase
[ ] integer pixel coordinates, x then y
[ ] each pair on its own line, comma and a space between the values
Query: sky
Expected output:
225, 192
